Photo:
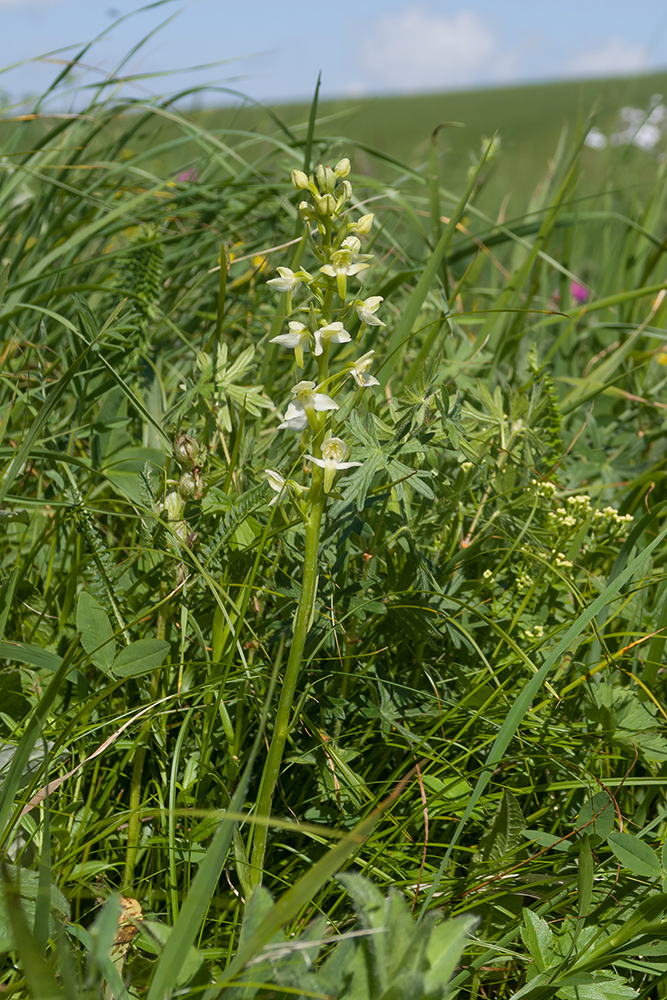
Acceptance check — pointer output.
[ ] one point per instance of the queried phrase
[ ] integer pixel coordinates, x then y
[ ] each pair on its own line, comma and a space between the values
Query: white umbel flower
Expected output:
333, 450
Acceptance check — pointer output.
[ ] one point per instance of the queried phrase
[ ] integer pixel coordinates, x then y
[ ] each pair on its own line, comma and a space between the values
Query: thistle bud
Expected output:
186, 450
299, 180
342, 168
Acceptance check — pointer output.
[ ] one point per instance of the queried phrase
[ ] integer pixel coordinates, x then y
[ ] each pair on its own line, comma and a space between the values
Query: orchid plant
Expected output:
314, 327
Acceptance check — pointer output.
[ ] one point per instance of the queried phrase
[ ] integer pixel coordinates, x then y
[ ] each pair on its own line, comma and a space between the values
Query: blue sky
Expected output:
272, 50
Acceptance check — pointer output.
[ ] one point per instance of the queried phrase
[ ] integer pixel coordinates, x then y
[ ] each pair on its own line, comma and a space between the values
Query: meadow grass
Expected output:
470, 801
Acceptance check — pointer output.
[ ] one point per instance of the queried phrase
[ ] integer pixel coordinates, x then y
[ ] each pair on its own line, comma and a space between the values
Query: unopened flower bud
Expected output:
299, 180
342, 168
345, 192
185, 450
321, 177
191, 487
307, 211
174, 505
326, 205
365, 224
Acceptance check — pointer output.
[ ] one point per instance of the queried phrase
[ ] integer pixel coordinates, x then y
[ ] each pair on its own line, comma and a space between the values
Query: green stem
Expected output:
281, 729
134, 819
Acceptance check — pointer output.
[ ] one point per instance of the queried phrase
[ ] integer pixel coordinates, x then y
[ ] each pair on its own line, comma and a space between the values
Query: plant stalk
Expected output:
281, 730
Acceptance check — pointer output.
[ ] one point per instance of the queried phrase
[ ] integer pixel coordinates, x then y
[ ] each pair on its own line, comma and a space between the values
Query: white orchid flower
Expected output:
295, 418
359, 371
351, 243
277, 483
333, 450
298, 339
333, 333
346, 262
307, 402
366, 309
288, 278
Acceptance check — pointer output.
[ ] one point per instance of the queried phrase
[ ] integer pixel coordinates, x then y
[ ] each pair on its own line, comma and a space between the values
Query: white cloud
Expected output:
614, 57
418, 50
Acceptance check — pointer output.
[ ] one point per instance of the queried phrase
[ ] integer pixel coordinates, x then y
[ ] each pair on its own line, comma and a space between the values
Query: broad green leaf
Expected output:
597, 815
547, 840
97, 638
140, 657
505, 831
586, 871
406, 986
538, 939
27, 885
635, 855
20, 516
601, 987
124, 471
445, 948
42, 984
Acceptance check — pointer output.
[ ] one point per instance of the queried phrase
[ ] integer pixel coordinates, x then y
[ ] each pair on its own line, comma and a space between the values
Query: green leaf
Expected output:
34, 655
97, 638
444, 950
124, 470
26, 884
603, 987
597, 815
585, 876
140, 657
6, 596
635, 855
42, 984
154, 937
547, 840
538, 939
21, 516
505, 831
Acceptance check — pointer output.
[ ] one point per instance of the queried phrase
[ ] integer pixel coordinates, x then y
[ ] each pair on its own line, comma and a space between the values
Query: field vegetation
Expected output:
388, 719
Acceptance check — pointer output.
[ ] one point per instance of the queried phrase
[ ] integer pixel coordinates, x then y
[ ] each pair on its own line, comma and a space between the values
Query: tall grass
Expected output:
478, 732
